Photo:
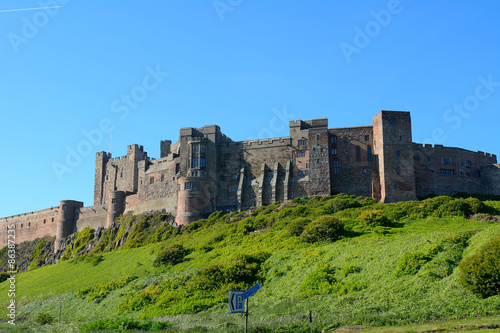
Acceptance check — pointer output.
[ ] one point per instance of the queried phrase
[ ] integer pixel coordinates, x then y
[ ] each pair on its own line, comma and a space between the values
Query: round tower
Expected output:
194, 200
116, 206
66, 221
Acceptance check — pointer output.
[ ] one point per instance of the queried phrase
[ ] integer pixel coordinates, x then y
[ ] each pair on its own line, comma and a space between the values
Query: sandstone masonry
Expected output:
205, 171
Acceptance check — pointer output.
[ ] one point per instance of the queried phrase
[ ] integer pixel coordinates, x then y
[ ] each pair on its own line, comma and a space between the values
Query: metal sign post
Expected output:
246, 295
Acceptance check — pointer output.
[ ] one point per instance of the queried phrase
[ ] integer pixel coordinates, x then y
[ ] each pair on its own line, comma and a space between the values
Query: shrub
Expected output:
339, 204
172, 255
480, 273
324, 228
456, 207
44, 318
296, 227
320, 281
373, 218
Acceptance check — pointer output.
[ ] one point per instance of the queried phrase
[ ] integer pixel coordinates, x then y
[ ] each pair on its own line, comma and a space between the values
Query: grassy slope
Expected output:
386, 298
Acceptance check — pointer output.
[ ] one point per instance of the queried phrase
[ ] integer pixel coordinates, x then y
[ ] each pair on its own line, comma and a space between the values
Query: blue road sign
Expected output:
251, 291
236, 304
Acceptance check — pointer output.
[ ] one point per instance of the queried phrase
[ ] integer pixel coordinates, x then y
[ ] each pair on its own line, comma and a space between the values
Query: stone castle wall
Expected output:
206, 171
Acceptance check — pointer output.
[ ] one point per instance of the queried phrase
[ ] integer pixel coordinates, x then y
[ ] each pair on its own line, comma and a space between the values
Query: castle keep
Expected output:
205, 171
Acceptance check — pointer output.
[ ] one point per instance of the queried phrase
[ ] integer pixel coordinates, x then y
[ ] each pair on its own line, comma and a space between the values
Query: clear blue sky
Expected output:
238, 64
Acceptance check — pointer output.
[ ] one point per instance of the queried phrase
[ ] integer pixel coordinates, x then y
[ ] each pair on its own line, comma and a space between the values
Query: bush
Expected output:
172, 255
480, 273
324, 228
373, 218
456, 207
411, 263
296, 227
339, 204
44, 318
4, 276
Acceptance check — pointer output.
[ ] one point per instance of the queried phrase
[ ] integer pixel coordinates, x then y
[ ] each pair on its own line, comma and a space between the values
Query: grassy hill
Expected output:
351, 261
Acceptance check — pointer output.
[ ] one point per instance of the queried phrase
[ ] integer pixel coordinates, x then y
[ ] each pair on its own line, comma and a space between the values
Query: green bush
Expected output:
339, 204
296, 227
373, 218
320, 281
44, 318
324, 228
172, 255
480, 273
456, 207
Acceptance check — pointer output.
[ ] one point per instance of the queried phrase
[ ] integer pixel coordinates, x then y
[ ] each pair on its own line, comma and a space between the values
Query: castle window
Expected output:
398, 170
428, 158
235, 177
116, 188
418, 156
317, 137
44, 221
334, 139
29, 224
336, 167
446, 160
191, 186
358, 154
334, 151
52, 220
162, 177
21, 225
400, 138
448, 172
64, 207
393, 121
302, 142
307, 165
107, 177
301, 154
194, 162
301, 173
177, 167
202, 149
195, 148
317, 160
233, 189
397, 154
468, 164
151, 180
369, 155
113, 201
121, 174
203, 174
394, 185
202, 162
345, 140
364, 170
367, 137
306, 172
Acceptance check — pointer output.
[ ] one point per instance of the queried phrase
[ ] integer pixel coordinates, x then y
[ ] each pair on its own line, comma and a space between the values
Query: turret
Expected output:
116, 206
66, 224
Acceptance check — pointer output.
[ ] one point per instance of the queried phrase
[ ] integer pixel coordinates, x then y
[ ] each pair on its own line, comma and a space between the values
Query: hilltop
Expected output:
349, 260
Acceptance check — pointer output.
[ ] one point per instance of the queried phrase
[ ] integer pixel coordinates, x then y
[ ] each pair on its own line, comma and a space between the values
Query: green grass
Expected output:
353, 281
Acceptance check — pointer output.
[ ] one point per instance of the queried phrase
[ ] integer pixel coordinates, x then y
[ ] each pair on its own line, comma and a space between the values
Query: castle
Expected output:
205, 171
